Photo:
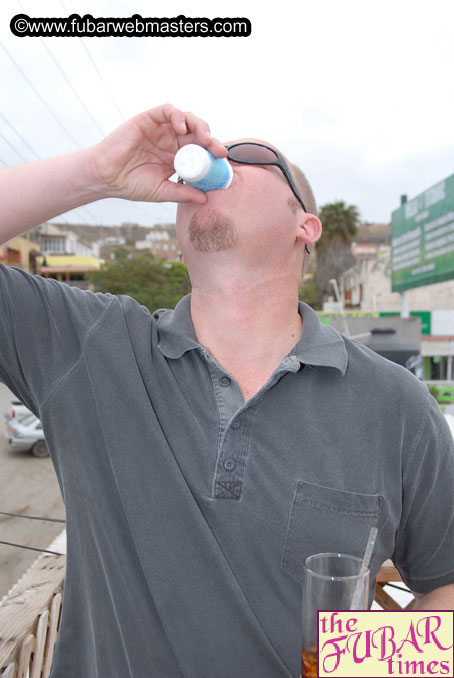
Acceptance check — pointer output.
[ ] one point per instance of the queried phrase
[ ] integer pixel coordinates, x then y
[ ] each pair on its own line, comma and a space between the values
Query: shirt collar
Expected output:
319, 345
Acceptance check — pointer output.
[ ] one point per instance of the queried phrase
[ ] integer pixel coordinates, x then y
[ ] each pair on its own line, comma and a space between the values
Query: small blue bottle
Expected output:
199, 168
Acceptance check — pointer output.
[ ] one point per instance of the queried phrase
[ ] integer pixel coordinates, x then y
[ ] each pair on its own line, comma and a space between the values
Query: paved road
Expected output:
27, 485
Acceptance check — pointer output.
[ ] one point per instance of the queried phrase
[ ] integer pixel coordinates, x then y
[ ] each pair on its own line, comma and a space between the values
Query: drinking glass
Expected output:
330, 580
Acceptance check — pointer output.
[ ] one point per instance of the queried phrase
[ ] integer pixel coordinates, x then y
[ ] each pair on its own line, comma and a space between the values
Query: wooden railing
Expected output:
29, 620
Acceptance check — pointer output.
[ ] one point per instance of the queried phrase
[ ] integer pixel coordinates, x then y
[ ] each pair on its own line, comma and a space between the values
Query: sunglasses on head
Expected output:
251, 153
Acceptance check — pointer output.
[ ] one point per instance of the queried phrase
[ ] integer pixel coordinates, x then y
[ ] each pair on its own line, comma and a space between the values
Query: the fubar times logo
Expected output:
359, 644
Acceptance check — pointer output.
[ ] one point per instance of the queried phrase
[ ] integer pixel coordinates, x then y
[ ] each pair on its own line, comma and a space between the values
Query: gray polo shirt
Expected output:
189, 511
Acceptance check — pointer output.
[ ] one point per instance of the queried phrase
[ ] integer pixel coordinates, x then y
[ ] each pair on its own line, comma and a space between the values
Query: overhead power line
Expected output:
102, 80
92, 62
90, 58
70, 85
20, 136
38, 157
84, 208
67, 80
13, 147
31, 548
22, 515
162, 206
43, 101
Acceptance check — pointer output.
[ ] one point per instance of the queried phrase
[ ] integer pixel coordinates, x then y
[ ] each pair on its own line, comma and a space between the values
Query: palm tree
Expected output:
340, 225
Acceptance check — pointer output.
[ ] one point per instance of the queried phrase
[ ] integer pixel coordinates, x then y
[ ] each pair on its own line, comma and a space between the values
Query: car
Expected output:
27, 432
18, 410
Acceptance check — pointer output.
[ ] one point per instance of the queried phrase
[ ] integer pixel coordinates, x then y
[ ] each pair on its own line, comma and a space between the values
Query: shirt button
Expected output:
225, 381
229, 464
236, 423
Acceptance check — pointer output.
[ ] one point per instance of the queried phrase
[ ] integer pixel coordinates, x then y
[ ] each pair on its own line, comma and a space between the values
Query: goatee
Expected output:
211, 231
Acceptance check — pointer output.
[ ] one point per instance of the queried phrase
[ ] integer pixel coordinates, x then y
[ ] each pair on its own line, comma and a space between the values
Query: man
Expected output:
204, 453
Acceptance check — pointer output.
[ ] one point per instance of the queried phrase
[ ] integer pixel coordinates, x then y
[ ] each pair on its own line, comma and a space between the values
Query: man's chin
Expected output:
211, 230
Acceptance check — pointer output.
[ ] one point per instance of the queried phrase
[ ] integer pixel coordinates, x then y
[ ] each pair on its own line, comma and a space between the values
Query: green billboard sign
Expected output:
422, 238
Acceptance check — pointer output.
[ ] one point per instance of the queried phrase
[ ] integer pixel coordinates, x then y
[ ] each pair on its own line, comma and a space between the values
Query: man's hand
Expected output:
136, 160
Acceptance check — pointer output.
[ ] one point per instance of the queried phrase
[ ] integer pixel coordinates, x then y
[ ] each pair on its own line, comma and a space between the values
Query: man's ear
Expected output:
309, 228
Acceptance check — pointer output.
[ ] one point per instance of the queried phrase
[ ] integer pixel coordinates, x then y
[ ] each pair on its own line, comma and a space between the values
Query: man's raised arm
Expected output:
134, 162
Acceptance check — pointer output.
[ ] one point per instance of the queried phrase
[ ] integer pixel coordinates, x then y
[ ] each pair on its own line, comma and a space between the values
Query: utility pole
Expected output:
405, 295
333, 282
405, 304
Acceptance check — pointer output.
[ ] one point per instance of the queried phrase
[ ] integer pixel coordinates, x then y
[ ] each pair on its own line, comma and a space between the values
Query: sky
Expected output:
359, 94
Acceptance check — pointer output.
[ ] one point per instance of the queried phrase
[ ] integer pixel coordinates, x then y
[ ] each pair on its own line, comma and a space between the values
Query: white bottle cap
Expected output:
192, 162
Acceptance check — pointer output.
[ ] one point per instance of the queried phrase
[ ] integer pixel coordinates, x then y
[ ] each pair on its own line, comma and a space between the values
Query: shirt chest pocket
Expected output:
325, 520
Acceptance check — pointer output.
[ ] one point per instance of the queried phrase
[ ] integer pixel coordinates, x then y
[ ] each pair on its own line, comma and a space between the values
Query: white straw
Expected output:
364, 565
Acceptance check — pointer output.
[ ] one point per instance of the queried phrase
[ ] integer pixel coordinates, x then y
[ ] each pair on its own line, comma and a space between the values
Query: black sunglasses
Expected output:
251, 153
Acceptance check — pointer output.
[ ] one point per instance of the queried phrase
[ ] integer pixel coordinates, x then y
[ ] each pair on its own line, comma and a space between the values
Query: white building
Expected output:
151, 240
367, 287
154, 235
54, 240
